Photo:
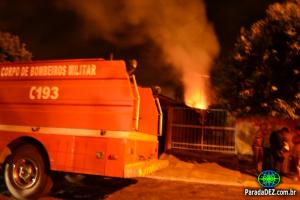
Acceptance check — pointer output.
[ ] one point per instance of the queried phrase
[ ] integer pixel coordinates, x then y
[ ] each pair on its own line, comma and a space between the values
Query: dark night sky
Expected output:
52, 33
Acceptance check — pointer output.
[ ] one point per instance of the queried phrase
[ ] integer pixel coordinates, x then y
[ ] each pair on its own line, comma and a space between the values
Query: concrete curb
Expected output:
245, 184
195, 180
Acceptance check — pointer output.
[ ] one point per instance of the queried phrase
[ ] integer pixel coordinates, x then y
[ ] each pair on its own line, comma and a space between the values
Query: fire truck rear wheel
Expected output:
25, 175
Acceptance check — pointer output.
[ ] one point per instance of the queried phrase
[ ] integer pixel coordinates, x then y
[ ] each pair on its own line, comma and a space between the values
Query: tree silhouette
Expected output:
12, 49
262, 76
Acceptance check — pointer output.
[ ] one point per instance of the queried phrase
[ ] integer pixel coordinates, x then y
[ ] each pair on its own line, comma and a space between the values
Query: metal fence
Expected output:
206, 130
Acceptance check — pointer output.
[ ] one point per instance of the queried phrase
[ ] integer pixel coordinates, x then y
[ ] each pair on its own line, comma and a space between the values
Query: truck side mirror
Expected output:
131, 66
156, 90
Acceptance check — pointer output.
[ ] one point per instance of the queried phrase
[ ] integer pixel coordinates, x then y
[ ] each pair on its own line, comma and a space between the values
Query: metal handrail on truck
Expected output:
138, 99
160, 113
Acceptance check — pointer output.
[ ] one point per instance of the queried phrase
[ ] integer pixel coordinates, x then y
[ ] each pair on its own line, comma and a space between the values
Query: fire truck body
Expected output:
83, 116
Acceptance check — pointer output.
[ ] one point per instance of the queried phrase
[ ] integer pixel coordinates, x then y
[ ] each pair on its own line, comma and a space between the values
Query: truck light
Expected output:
102, 132
35, 129
100, 155
112, 157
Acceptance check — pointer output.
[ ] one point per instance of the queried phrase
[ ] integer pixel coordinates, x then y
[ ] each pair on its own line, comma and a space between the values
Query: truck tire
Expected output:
24, 173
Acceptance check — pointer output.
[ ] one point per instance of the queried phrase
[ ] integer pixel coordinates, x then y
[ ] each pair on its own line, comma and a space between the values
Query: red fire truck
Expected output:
84, 116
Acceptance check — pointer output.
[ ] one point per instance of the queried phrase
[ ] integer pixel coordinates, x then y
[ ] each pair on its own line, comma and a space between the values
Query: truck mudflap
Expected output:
144, 168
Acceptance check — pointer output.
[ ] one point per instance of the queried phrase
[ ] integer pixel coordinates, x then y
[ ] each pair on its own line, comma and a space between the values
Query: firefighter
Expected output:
260, 148
279, 150
258, 152
287, 149
296, 152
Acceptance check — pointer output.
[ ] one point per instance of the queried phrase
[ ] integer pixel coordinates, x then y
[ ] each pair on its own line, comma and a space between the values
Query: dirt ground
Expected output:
219, 176
146, 189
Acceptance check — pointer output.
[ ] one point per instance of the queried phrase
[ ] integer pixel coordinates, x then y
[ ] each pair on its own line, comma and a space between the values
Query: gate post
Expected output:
168, 143
202, 128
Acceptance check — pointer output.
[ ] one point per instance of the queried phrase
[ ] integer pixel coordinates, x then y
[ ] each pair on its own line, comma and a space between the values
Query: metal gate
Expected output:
201, 130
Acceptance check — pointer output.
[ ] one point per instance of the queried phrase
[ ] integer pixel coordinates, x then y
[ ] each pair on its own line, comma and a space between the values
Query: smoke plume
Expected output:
178, 27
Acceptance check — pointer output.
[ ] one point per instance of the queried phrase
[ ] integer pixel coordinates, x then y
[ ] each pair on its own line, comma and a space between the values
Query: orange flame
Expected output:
197, 93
